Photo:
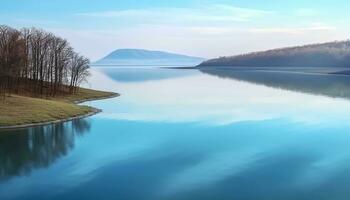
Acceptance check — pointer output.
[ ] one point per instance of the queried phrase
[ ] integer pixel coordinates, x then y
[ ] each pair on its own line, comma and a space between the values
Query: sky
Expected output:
204, 28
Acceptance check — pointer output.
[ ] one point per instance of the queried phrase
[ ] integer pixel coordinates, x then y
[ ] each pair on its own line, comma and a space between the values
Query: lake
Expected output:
180, 134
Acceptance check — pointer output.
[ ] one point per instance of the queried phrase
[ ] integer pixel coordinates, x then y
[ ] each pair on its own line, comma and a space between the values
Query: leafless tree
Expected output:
39, 63
79, 70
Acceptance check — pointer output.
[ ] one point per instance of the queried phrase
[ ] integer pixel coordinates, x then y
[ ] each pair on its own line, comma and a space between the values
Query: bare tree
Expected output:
39, 62
78, 71
11, 57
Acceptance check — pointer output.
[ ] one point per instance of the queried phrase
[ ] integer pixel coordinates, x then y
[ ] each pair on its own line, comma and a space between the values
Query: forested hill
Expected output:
128, 57
332, 54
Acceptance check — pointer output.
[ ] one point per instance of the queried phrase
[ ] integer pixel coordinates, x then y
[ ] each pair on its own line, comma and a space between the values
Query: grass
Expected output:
21, 110
84, 95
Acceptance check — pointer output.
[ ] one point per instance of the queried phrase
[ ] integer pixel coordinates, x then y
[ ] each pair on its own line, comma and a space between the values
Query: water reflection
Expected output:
313, 83
214, 100
139, 74
23, 150
191, 137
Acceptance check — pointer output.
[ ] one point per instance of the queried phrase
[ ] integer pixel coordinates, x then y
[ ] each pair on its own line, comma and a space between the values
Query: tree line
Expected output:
37, 62
332, 54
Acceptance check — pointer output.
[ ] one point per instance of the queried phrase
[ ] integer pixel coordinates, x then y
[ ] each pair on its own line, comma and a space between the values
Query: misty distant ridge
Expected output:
331, 54
129, 57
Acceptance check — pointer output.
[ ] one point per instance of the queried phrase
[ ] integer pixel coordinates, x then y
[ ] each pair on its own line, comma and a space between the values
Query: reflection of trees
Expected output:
319, 84
81, 126
23, 150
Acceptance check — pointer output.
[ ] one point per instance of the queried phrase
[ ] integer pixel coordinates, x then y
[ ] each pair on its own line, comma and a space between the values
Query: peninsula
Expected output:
40, 78
23, 111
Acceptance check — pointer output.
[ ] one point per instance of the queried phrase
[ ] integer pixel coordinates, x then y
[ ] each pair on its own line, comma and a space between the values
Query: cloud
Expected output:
306, 12
204, 41
314, 27
206, 14
209, 30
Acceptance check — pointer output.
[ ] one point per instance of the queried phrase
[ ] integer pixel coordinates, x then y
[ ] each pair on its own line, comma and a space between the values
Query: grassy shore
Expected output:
22, 110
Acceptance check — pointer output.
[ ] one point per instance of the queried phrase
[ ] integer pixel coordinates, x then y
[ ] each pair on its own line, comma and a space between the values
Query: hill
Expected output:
332, 54
129, 57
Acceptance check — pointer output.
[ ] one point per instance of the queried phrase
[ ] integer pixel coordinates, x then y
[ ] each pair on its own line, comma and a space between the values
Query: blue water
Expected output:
186, 135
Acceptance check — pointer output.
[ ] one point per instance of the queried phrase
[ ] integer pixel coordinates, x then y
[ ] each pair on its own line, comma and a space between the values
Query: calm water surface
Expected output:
185, 134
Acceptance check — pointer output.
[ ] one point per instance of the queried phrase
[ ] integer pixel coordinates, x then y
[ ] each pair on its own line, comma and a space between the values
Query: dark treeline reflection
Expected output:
319, 84
23, 150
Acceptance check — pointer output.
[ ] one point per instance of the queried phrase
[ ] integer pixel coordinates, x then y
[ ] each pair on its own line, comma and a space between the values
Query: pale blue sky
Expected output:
202, 28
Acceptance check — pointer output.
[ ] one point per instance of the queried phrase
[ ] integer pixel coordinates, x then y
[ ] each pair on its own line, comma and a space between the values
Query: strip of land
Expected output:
22, 111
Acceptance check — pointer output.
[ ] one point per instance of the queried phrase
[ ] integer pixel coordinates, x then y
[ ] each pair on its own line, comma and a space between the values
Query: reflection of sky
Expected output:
201, 137
209, 99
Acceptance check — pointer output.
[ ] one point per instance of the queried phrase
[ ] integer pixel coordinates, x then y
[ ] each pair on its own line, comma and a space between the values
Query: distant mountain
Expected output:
332, 54
146, 57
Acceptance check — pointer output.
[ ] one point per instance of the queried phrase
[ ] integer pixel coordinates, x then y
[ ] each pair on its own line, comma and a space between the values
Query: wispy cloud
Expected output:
306, 12
314, 27
215, 13
208, 30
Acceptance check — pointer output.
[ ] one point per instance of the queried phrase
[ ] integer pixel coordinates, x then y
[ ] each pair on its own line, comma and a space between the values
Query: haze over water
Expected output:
185, 134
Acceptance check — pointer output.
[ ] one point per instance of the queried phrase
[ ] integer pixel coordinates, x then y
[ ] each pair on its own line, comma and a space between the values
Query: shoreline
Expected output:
96, 99
94, 111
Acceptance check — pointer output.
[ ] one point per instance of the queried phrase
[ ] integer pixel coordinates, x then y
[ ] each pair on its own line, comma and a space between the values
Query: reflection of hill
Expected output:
319, 84
23, 150
144, 74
